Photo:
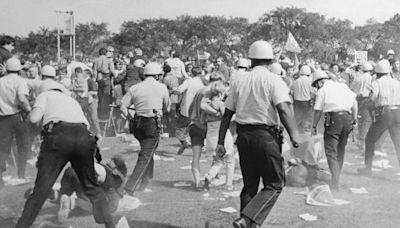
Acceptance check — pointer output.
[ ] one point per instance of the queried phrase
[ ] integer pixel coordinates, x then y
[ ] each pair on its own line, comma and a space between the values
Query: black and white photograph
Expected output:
199, 114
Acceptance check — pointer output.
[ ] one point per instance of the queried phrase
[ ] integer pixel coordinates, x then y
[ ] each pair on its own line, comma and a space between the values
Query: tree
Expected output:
90, 36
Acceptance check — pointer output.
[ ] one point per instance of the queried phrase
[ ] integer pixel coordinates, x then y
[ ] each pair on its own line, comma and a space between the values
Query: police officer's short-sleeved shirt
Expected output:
386, 91
254, 97
334, 97
302, 88
57, 106
10, 86
147, 96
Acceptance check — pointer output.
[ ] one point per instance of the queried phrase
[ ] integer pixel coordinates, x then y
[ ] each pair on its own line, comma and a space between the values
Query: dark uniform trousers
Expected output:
13, 126
303, 111
364, 119
338, 126
147, 131
67, 142
104, 95
260, 157
385, 120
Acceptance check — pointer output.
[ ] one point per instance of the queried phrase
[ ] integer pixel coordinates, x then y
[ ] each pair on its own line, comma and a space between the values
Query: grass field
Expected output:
169, 206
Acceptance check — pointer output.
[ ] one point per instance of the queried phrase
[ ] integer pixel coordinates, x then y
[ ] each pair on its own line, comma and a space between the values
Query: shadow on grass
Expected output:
170, 184
147, 224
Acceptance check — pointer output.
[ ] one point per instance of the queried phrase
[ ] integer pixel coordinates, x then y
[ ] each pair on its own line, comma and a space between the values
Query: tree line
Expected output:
320, 37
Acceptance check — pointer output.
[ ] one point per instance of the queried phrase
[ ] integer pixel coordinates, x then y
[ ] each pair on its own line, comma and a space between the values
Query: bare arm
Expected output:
24, 102
225, 122
36, 115
286, 115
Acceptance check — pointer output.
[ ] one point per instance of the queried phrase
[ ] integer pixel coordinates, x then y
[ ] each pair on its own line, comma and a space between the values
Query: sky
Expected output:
19, 17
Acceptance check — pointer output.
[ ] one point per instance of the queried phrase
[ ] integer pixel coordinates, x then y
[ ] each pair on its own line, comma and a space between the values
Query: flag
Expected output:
291, 44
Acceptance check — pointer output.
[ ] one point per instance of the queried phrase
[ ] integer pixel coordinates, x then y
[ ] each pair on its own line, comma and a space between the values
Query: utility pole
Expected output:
70, 32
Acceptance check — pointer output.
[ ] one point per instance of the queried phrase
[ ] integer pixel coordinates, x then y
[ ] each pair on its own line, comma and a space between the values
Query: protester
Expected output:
214, 106
187, 90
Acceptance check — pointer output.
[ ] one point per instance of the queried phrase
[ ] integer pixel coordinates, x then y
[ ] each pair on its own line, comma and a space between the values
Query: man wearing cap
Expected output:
65, 139
103, 70
242, 65
386, 98
361, 86
339, 104
14, 106
7, 45
302, 95
257, 100
149, 98
390, 57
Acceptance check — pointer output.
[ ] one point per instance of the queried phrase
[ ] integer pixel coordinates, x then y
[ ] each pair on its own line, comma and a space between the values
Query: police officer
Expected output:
103, 69
14, 106
302, 95
257, 99
386, 98
65, 139
149, 98
361, 86
339, 104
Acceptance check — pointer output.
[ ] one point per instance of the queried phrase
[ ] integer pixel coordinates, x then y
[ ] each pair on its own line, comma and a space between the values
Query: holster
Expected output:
277, 133
47, 128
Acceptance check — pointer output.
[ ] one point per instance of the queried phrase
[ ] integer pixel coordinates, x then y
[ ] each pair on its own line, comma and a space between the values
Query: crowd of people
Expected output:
207, 105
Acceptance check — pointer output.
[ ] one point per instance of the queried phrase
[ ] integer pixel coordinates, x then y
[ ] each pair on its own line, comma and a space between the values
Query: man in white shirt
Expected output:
339, 104
65, 139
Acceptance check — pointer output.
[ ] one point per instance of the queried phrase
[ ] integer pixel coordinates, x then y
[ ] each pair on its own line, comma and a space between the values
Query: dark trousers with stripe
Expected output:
337, 129
260, 157
13, 126
67, 142
389, 120
145, 129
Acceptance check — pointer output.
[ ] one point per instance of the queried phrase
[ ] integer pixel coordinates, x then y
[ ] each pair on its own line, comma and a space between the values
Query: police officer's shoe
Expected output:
240, 223
206, 184
364, 171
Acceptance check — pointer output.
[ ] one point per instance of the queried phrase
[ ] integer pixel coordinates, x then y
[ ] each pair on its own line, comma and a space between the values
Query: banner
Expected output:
360, 57
291, 44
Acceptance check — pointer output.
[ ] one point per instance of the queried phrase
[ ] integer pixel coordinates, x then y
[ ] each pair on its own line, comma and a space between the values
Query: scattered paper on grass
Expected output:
340, 202
348, 163
206, 194
182, 184
186, 167
105, 148
203, 161
147, 190
380, 153
228, 210
232, 194
361, 190
167, 158
376, 169
398, 174
128, 203
237, 177
323, 161
308, 217
156, 157
382, 164
32, 161
10, 181
122, 223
